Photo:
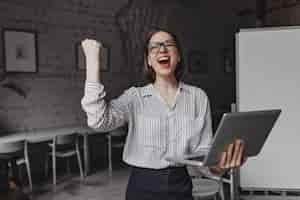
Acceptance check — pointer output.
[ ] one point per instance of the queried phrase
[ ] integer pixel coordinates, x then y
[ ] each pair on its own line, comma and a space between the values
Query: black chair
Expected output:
16, 153
64, 147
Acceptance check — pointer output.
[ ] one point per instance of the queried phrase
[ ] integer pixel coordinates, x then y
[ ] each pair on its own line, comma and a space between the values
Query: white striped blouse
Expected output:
155, 130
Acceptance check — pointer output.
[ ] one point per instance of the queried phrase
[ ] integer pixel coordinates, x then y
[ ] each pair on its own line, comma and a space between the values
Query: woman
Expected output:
165, 118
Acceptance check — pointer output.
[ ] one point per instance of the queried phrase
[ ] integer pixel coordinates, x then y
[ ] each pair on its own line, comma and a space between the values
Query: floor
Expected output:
98, 186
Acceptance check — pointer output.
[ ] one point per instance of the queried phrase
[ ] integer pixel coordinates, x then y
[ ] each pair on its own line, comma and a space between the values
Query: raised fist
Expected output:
91, 48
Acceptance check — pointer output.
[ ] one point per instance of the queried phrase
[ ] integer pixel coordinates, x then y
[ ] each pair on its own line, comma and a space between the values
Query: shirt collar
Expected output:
148, 90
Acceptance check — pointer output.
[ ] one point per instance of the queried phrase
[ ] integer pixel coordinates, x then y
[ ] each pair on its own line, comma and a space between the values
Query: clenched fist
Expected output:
91, 49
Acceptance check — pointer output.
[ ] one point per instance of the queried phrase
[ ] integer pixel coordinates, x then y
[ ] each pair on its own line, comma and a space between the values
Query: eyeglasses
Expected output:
154, 47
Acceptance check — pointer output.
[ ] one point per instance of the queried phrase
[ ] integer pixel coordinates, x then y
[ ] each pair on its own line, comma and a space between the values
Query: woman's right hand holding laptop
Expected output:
232, 157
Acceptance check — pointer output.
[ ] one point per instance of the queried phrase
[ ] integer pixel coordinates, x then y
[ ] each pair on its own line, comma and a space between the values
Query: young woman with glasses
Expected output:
165, 118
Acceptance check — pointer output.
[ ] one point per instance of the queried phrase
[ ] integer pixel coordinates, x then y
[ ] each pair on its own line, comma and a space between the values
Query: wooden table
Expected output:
47, 134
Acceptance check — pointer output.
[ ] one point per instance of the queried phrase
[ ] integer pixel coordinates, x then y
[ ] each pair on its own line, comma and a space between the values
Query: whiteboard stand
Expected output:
234, 173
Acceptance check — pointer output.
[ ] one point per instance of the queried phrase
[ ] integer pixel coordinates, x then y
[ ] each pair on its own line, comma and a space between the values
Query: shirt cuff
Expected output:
94, 89
91, 84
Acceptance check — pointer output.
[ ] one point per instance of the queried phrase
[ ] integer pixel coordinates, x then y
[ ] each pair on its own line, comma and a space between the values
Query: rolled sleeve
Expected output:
101, 115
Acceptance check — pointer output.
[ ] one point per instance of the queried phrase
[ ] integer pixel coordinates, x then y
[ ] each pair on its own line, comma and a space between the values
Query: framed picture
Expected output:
198, 62
20, 51
104, 58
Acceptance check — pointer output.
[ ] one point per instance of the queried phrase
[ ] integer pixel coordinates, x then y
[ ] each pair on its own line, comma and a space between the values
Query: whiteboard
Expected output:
268, 77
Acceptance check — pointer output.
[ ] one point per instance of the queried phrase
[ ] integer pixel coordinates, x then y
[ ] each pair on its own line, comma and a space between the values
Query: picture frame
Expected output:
198, 62
104, 58
20, 51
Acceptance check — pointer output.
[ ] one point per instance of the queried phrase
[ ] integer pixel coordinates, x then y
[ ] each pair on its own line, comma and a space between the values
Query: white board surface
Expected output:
268, 77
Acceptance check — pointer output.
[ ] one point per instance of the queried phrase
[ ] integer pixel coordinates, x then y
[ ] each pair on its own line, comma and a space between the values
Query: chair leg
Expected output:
29, 173
79, 161
20, 174
68, 166
28, 165
54, 169
221, 192
46, 166
9, 169
109, 156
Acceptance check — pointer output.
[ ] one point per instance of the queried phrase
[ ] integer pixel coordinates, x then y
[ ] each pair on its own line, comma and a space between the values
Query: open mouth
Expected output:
165, 60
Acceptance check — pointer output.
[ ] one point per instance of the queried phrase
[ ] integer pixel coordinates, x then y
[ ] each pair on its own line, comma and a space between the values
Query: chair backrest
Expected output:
65, 139
11, 147
205, 187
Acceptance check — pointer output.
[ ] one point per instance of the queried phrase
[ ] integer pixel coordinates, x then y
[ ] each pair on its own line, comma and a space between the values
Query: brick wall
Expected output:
54, 93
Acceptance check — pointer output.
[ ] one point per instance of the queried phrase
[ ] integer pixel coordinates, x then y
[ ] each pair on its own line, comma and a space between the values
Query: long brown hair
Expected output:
149, 73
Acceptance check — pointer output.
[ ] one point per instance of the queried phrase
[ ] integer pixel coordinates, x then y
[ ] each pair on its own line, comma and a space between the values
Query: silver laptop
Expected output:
253, 127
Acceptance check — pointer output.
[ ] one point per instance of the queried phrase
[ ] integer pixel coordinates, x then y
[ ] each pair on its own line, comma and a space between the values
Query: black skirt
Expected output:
173, 183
